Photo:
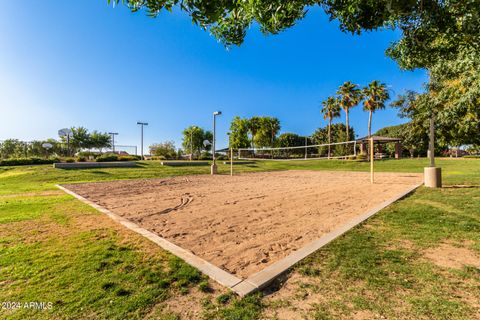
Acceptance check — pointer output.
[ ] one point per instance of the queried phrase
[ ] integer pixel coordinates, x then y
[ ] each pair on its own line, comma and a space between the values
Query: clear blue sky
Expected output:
84, 63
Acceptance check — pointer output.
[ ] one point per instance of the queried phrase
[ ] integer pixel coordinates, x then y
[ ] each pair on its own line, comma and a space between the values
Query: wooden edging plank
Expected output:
214, 272
264, 277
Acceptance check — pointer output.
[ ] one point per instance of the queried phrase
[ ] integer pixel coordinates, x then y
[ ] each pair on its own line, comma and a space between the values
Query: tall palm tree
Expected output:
349, 95
376, 94
273, 126
254, 124
330, 110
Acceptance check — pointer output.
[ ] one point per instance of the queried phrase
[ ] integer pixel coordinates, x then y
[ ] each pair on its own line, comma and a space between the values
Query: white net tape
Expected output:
339, 150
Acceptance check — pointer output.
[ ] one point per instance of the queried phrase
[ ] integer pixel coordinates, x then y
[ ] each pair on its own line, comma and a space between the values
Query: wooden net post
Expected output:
231, 161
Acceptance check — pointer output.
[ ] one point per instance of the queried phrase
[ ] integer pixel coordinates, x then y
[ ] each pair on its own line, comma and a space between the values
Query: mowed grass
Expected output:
55, 249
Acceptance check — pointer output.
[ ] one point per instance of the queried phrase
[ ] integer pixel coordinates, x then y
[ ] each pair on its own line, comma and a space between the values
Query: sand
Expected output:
246, 222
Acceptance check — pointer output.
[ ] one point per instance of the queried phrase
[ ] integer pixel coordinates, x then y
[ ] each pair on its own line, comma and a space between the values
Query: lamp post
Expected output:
142, 124
214, 165
113, 134
191, 141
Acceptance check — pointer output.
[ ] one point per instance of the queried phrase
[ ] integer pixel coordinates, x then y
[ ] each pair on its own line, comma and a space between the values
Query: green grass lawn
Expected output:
55, 249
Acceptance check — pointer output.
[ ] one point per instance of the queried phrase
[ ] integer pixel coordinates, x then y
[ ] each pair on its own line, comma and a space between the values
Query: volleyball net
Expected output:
338, 150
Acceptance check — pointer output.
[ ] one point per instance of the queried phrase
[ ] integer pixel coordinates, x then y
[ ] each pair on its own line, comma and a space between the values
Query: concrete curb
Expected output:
221, 276
264, 277
184, 163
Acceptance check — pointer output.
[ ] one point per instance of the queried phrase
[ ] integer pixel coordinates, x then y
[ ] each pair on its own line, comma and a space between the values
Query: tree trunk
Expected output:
370, 124
329, 137
346, 125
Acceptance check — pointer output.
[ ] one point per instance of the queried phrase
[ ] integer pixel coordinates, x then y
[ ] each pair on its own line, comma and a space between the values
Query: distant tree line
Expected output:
80, 139
254, 132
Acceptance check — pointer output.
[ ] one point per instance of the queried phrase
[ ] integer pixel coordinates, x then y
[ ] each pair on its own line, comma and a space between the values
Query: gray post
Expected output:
141, 143
213, 142
214, 165
113, 134
432, 174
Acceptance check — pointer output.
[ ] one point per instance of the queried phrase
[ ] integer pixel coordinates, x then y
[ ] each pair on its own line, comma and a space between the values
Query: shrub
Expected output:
205, 156
69, 160
26, 161
88, 154
81, 159
158, 158
128, 158
362, 156
107, 157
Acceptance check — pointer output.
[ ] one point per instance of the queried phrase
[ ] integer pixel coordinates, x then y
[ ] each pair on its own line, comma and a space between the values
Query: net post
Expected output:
231, 161
371, 161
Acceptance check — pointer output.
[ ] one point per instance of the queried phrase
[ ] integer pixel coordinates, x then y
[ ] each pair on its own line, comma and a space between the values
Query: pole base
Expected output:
432, 177
213, 169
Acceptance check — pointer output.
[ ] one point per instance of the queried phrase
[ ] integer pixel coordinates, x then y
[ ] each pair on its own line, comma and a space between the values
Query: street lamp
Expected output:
142, 124
214, 165
113, 134
191, 141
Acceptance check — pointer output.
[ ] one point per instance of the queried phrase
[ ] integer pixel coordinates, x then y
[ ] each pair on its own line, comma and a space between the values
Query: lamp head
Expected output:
217, 113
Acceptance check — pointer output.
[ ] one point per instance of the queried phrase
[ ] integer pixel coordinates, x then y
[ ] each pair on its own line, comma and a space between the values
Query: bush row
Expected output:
33, 160
27, 161
115, 157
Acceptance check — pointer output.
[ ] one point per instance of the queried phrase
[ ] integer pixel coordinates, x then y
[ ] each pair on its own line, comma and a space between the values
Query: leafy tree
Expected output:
415, 134
238, 135
193, 138
267, 131
79, 139
349, 96
13, 148
375, 96
292, 140
99, 140
338, 134
431, 29
289, 139
164, 149
330, 110
254, 125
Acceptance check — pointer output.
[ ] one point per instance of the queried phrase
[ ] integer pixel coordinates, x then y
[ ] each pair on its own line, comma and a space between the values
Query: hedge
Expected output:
26, 161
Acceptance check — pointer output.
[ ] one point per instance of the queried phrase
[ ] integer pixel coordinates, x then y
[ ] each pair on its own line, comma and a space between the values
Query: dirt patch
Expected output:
246, 222
449, 256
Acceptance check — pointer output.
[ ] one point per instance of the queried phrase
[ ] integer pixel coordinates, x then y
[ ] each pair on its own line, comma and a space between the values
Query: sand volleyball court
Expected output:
244, 223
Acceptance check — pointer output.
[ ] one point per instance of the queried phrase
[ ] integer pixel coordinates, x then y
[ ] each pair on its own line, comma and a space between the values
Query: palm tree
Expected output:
330, 110
254, 124
349, 96
273, 126
376, 94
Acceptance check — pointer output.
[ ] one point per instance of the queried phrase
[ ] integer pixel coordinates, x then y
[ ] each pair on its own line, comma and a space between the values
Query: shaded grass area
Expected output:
81, 263
380, 270
54, 248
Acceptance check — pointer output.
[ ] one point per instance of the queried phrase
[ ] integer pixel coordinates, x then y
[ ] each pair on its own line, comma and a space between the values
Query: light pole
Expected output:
113, 134
191, 141
142, 124
214, 165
